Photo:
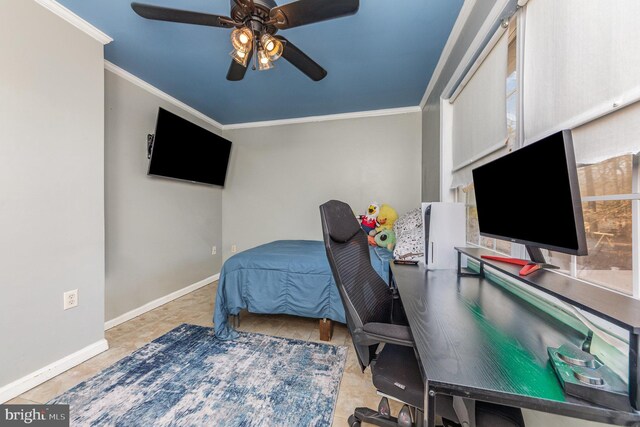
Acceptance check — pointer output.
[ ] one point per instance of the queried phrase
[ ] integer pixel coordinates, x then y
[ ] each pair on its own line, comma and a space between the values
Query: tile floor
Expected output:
196, 308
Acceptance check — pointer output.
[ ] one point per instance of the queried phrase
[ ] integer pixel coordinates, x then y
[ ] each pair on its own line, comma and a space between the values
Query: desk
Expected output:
475, 339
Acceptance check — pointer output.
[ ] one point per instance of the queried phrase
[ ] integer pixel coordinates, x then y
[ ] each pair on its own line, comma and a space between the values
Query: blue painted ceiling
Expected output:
381, 57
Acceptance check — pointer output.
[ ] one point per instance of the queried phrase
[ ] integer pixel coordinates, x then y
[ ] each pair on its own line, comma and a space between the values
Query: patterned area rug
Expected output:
187, 378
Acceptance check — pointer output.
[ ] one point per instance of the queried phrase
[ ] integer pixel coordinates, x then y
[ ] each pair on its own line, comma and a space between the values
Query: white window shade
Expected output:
580, 58
609, 136
479, 115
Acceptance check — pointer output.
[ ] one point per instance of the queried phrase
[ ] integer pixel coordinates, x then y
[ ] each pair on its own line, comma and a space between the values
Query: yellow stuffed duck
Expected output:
387, 216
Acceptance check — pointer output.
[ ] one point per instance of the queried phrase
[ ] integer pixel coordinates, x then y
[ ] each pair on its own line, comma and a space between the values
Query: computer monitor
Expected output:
532, 196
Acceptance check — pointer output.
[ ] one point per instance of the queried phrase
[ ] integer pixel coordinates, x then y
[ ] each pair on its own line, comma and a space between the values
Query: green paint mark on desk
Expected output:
526, 375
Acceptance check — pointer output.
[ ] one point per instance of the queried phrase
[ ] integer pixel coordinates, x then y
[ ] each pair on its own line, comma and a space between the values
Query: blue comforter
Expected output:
283, 277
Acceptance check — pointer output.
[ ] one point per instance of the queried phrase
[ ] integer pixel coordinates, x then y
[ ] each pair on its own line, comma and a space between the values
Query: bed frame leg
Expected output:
326, 329
234, 320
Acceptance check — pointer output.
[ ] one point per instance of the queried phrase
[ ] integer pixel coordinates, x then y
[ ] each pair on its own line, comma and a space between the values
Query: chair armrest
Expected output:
389, 333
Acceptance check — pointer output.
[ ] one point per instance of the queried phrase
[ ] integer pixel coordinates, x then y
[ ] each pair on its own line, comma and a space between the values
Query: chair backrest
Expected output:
365, 296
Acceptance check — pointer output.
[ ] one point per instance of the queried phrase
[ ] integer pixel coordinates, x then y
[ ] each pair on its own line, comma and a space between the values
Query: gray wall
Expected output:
431, 112
279, 175
159, 231
431, 153
51, 188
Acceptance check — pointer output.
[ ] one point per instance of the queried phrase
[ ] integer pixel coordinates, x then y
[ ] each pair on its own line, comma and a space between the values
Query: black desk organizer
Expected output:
584, 376
618, 309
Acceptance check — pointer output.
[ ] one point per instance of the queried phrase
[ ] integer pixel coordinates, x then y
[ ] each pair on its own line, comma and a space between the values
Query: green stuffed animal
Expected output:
386, 239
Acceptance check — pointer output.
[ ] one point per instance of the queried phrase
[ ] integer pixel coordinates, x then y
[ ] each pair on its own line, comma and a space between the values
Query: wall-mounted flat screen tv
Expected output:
188, 152
532, 196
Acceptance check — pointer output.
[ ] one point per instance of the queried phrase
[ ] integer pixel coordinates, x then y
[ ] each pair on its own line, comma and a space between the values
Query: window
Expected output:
478, 111
607, 154
573, 72
465, 193
607, 192
608, 196
512, 84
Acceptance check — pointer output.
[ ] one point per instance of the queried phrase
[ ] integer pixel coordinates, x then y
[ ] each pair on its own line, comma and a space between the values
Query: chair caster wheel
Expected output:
383, 408
353, 422
449, 423
404, 417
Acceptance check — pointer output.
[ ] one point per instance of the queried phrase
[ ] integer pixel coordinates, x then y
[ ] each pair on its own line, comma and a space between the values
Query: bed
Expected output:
284, 277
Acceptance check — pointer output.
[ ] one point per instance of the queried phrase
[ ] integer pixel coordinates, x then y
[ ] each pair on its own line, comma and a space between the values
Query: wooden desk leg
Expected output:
326, 329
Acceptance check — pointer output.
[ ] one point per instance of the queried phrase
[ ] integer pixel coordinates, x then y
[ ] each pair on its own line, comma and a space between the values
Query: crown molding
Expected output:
75, 20
325, 118
109, 66
160, 94
456, 31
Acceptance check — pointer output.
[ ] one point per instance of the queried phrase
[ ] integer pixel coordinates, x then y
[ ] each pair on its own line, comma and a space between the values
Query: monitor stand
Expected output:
537, 261
537, 258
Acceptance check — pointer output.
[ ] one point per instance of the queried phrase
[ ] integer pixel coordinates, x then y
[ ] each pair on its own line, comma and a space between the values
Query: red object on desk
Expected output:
528, 267
515, 261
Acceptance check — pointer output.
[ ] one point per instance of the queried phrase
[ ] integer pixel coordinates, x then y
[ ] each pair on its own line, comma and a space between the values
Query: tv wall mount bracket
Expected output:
150, 139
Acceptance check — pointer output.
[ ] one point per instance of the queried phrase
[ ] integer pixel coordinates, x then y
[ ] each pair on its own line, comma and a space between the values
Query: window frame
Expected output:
634, 198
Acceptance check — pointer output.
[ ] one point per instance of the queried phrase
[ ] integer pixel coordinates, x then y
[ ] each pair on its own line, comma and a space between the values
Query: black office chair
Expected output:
369, 309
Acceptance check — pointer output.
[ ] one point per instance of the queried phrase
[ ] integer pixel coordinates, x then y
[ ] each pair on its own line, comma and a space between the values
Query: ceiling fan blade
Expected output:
303, 12
236, 71
159, 13
301, 61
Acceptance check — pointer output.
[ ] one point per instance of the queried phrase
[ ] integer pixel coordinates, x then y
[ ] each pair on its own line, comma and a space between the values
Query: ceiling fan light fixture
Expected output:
241, 39
272, 46
264, 63
253, 24
240, 57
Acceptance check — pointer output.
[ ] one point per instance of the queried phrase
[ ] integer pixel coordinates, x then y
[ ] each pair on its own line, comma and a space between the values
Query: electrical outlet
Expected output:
70, 299
234, 249
214, 250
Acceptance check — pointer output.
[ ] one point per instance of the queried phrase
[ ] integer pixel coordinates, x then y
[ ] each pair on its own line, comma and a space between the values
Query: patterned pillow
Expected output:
411, 243
409, 236
408, 222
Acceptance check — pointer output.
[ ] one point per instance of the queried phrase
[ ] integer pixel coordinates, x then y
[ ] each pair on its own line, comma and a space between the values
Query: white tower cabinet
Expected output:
444, 228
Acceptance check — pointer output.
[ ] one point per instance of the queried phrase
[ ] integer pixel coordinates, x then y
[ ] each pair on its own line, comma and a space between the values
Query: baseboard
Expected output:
36, 378
158, 302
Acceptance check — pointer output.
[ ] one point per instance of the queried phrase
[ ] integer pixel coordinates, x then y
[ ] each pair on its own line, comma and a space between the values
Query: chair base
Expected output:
370, 416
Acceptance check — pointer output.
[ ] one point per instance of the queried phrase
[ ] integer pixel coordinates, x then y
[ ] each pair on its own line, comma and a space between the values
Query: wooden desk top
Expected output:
476, 339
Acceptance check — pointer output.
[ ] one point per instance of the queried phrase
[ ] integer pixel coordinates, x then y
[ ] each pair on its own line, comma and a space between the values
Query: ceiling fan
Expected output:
255, 24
